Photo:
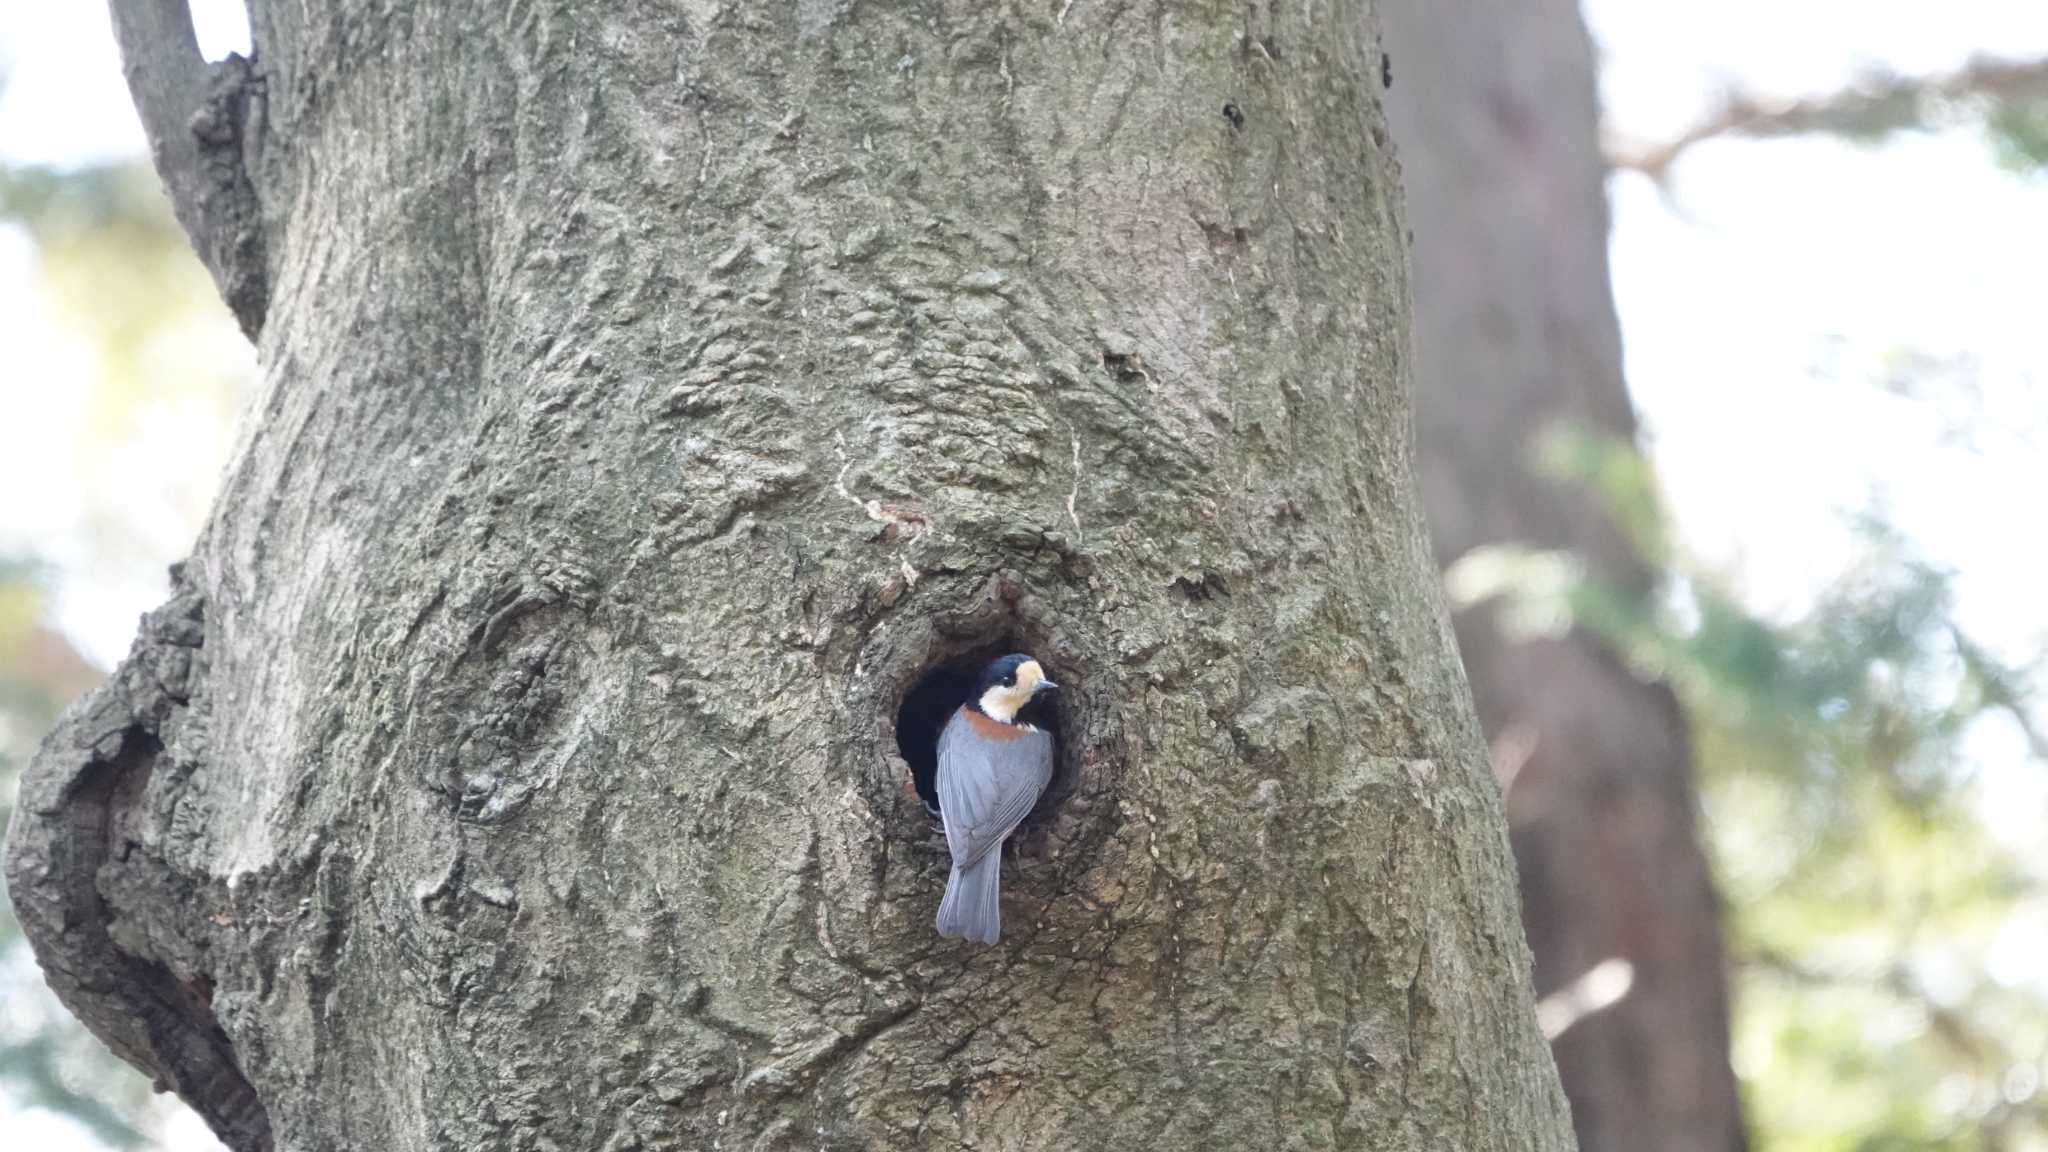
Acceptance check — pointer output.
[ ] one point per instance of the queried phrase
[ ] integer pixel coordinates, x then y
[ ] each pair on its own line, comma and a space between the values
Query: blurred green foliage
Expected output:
46, 1059
1874, 913
2019, 133
115, 270
2008, 98
115, 265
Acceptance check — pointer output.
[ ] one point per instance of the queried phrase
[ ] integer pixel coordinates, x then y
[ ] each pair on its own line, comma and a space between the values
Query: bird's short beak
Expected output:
1044, 685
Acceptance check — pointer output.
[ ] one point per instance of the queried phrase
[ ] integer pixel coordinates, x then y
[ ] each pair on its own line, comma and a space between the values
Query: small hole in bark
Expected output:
1207, 586
920, 720
1125, 366
947, 685
1231, 113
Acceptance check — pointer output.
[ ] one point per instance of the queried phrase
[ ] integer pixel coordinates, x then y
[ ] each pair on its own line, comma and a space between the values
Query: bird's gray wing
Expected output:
987, 786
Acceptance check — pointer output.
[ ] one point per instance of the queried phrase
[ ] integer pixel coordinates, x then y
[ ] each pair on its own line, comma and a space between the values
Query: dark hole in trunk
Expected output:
941, 691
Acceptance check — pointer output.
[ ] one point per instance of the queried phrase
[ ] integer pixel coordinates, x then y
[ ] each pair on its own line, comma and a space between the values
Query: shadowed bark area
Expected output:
654, 393
1495, 111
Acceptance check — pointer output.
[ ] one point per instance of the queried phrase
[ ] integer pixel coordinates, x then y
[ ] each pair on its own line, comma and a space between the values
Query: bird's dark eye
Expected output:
1010, 680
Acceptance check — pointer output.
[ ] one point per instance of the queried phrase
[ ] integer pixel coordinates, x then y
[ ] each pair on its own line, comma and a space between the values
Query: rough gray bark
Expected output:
1496, 114
653, 393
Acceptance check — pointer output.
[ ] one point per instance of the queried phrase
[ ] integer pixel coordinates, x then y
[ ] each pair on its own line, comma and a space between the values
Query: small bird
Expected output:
992, 768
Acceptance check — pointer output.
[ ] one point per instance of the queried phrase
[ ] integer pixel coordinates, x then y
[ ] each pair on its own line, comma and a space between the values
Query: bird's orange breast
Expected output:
989, 728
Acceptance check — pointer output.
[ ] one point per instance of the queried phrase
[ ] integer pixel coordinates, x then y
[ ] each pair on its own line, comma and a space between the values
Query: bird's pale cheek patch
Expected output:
1004, 703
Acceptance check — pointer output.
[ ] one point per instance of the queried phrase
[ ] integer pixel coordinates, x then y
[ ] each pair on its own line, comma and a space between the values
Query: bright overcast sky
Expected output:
1765, 298
1768, 299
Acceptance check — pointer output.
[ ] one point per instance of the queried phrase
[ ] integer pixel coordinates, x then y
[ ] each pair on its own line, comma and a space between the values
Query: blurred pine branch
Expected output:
2009, 98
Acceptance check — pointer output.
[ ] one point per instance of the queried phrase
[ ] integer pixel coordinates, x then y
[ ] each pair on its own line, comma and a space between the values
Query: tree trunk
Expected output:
654, 394
1495, 111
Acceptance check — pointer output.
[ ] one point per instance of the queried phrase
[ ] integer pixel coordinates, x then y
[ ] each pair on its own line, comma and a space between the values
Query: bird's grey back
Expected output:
987, 785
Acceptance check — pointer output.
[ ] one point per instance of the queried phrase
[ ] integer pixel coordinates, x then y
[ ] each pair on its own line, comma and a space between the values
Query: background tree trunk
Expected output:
653, 394
1495, 110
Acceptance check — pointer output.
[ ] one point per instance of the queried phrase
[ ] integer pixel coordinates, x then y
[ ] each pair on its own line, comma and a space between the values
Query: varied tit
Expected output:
992, 767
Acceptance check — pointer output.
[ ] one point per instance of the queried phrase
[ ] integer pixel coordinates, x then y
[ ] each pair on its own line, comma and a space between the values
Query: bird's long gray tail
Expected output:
973, 906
